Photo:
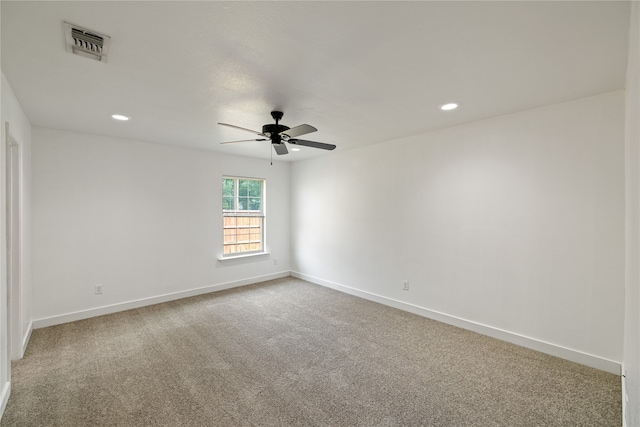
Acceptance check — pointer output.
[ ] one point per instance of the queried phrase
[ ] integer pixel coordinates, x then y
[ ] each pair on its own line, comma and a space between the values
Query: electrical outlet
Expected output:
98, 289
275, 261
405, 285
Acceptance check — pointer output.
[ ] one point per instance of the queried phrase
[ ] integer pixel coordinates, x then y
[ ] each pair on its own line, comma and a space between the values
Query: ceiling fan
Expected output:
279, 134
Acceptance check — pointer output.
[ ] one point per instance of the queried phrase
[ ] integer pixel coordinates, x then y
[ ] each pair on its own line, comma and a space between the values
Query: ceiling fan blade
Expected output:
245, 140
280, 149
298, 130
238, 127
313, 144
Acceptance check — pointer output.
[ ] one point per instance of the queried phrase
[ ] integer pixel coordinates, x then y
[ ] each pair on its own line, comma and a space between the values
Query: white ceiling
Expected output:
361, 72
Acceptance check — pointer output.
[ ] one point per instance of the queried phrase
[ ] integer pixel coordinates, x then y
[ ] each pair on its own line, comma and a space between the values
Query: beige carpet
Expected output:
290, 353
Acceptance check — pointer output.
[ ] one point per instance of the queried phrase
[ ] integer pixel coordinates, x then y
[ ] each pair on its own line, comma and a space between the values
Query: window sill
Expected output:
230, 257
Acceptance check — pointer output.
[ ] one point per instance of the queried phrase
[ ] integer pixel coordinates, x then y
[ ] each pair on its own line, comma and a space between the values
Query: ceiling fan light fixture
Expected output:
449, 106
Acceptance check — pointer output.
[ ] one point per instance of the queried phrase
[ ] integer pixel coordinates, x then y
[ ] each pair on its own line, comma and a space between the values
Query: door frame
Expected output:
14, 242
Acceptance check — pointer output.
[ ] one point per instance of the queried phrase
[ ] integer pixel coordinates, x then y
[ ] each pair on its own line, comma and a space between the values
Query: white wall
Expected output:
143, 219
20, 129
631, 360
512, 226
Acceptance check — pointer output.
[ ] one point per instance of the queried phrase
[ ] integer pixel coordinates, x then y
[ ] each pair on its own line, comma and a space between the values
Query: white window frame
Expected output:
226, 213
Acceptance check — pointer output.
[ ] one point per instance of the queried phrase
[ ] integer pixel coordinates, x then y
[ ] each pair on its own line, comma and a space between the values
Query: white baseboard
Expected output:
114, 308
532, 343
625, 396
26, 338
4, 397
523, 341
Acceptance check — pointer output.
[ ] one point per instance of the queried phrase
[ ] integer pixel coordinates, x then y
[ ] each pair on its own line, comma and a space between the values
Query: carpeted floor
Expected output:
290, 353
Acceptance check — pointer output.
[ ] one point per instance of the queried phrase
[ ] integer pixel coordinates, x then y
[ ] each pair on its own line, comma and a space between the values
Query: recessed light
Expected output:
295, 149
449, 106
120, 117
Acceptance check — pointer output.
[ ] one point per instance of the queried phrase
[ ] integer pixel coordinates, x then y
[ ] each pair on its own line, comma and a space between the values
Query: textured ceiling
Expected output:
361, 72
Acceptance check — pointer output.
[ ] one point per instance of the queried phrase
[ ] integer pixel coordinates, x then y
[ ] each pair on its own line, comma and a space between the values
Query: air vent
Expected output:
87, 43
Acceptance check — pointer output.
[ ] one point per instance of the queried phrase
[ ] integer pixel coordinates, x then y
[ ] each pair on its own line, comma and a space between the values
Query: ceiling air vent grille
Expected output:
87, 43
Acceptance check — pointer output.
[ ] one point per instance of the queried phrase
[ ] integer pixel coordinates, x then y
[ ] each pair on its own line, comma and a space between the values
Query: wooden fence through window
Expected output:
242, 234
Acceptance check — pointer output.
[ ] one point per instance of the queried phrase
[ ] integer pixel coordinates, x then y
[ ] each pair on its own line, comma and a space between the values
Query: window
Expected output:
243, 215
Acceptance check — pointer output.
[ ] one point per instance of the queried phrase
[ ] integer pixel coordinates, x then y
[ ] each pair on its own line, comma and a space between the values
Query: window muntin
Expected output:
243, 212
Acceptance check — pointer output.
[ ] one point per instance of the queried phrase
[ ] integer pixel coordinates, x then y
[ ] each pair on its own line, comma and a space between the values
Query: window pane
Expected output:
255, 188
228, 187
243, 187
243, 203
227, 203
243, 235
254, 204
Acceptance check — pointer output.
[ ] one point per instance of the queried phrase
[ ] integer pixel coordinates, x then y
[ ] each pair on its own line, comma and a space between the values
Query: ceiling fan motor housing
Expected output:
273, 132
